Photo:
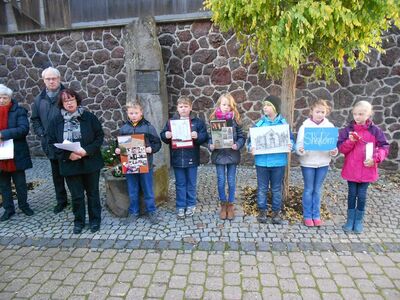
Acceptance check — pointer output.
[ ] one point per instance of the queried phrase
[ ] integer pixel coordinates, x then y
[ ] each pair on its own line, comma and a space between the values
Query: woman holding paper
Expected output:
14, 127
81, 167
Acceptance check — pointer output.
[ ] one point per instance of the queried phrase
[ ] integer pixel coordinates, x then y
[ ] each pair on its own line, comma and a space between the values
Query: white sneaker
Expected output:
180, 213
190, 211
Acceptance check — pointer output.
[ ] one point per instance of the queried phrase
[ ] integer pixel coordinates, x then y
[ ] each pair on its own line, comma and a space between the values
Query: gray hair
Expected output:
5, 90
51, 70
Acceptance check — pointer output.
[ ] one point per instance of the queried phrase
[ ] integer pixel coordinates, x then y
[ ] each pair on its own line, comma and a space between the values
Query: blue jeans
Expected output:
265, 176
136, 182
357, 196
185, 184
231, 178
313, 180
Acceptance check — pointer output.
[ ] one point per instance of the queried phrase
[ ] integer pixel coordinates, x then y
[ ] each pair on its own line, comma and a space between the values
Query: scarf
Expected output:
72, 125
223, 116
7, 165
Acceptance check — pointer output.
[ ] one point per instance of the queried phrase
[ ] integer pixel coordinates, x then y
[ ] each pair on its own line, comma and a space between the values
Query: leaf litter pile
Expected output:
292, 207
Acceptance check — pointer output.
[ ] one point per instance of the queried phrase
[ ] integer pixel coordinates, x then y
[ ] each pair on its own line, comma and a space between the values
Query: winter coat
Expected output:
150, 136
229, 156
44, 109
354, 152
18, 129
312, 159
187, 157
273, 159
92, 139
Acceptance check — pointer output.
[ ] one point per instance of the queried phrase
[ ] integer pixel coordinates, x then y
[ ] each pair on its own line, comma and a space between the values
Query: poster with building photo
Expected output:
270, 139
181, 131
222, 136
133, 154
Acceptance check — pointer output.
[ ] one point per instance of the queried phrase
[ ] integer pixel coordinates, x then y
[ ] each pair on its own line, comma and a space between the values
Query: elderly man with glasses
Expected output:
44, 109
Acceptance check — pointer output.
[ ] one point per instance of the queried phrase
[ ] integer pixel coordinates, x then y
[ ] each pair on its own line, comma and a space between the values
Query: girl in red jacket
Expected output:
364, 146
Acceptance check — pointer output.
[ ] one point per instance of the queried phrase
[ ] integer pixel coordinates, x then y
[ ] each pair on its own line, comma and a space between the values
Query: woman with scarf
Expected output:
14, 125
82, 167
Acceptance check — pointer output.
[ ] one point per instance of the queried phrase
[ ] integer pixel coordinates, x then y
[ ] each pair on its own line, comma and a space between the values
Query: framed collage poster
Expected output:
270, 139
222, 135
133, 154
181, 131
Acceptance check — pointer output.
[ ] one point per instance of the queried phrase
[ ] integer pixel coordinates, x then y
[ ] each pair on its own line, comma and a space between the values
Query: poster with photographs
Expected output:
222, 136
181, 131
270, 139
133, 154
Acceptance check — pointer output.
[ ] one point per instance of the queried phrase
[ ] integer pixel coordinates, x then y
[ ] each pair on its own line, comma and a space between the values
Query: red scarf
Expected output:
7, 165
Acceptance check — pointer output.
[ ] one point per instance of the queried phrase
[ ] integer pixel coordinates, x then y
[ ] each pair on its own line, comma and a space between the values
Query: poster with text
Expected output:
222, 136
320, 139
270, 139
133, 154
181, 133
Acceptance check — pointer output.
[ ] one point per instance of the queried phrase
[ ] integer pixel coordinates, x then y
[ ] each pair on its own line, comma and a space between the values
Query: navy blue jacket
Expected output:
44, 109
187, 157
92, 139
229, 156
150, 136
18, 129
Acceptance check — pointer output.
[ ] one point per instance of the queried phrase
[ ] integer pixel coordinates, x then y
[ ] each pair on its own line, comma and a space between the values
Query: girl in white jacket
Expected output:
314, 164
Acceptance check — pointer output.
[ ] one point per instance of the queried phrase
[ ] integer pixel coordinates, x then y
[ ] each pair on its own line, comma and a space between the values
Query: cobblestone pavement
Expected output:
202, 257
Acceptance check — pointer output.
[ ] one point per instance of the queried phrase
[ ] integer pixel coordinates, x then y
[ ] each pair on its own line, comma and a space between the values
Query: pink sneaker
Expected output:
308, 222
317, 222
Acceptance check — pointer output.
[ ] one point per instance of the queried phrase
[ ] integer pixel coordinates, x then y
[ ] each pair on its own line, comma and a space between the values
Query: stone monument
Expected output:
146, 80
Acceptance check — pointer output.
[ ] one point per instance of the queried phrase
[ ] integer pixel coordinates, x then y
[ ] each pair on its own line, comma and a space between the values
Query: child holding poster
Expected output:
185, 154
314, 164
226, 159
270, 167
137, 124
364, 146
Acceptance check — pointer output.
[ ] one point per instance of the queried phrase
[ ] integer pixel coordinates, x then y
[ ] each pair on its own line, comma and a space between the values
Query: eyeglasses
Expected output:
51, 78
68, 100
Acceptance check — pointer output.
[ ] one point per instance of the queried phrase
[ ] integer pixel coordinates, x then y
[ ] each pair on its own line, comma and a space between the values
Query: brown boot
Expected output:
222, 212
230, 212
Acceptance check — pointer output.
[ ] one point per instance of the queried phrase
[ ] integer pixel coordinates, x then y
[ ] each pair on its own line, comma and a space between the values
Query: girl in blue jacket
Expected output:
270, 168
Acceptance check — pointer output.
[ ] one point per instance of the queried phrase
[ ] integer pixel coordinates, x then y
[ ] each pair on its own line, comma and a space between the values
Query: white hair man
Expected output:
44, 109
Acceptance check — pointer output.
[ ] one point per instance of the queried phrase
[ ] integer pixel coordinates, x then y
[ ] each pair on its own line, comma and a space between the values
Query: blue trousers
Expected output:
230, 177
143, 181
313, 181
185, 184
357, 196
265, 177
19, 179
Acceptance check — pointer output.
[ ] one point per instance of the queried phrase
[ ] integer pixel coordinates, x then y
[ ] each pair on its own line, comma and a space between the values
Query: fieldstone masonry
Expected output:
203, 63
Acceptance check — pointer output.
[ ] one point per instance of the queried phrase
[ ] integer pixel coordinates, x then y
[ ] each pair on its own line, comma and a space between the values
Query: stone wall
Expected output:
200, 62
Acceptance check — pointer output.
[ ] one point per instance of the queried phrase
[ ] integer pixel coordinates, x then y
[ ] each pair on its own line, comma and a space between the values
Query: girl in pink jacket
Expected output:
364, 146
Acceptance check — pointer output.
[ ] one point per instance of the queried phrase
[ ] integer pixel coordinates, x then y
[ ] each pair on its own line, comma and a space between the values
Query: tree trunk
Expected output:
288, 97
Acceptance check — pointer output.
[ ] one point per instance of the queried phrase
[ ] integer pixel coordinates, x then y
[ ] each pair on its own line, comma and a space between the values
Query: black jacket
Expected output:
91, 141
187, 157
150, 136
18, 129
229, 156
44, 109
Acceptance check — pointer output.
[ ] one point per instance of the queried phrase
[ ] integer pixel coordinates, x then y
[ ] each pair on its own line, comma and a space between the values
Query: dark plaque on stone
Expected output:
148, 82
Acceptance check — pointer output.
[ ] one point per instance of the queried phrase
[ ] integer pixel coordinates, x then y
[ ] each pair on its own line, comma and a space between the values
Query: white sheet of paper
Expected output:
7, 149
369, 150
181, 130
69, 146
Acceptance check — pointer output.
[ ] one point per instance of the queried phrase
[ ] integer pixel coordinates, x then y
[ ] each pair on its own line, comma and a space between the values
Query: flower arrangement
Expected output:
111, 159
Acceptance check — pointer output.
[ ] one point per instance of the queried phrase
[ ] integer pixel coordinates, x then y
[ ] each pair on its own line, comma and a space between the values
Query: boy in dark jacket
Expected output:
137, 124
185, 160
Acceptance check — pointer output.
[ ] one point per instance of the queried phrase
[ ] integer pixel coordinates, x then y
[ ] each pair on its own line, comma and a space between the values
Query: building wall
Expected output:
203, 63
